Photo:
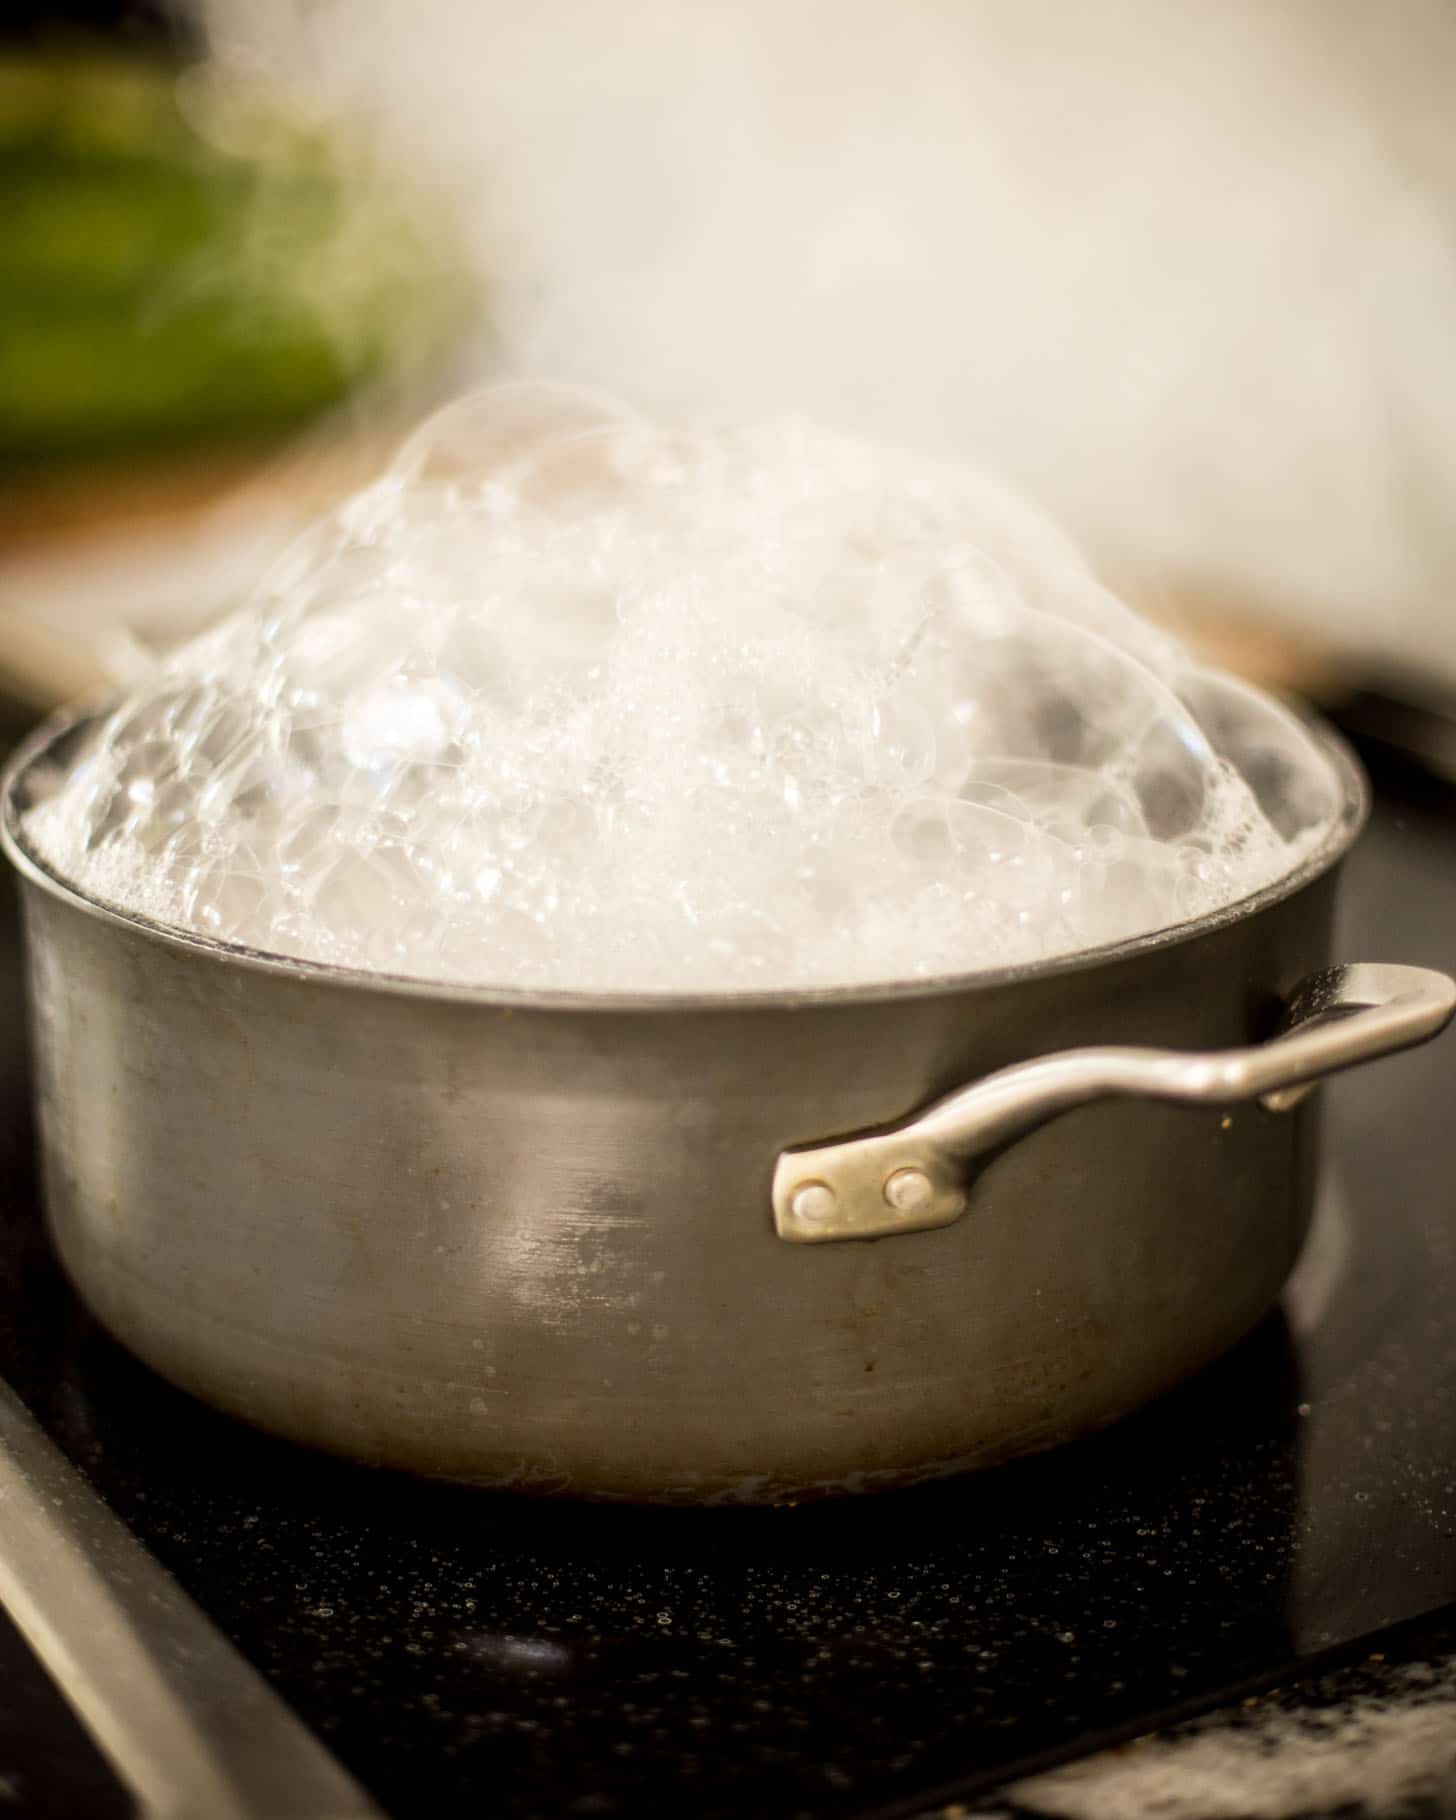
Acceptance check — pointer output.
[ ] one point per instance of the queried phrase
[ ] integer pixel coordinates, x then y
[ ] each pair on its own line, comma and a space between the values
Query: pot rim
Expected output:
1342, 834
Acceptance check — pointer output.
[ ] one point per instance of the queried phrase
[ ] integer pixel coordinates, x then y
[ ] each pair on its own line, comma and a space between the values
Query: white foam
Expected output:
566, 700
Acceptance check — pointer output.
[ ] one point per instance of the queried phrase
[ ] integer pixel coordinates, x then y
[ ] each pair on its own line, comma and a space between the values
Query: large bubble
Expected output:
570, 700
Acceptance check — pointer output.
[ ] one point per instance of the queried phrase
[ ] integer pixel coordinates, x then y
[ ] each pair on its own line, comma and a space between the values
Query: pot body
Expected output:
531, 1244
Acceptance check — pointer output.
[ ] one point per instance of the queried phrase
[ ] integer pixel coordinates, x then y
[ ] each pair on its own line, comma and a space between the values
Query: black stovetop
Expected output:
467, 1654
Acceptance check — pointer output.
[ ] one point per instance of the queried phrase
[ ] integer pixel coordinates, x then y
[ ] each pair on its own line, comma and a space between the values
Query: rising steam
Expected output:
1185, 274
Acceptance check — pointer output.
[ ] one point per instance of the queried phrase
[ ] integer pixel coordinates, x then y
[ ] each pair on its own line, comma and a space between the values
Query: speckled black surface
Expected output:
470, 1655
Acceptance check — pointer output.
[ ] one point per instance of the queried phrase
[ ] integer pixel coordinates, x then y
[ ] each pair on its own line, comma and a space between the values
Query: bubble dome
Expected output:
570, 700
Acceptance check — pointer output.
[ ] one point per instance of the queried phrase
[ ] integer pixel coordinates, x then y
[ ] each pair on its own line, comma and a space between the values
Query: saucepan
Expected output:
691, 1250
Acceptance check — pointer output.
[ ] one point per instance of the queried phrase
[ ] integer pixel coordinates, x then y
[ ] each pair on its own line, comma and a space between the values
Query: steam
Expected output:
1183, 274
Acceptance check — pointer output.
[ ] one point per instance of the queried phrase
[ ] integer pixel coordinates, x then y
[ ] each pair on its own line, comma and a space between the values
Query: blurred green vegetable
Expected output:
176, 264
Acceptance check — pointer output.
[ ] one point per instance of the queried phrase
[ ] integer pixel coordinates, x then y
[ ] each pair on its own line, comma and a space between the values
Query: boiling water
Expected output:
569, 700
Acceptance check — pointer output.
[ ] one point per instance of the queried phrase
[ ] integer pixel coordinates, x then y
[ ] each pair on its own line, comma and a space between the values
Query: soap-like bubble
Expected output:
569, 700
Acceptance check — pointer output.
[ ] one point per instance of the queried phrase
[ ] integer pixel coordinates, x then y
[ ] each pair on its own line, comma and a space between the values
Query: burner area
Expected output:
855, 1658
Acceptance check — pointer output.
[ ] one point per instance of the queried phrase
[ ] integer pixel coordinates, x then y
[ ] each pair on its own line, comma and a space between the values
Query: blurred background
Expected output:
1184, 273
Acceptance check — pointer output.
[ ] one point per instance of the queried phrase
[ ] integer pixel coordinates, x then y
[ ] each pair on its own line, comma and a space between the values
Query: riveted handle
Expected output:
914, 1176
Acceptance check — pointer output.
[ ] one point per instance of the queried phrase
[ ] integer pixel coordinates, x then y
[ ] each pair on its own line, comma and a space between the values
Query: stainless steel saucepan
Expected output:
643, 1248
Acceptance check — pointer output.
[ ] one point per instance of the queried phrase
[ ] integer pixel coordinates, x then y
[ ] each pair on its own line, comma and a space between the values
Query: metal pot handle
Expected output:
913, 1176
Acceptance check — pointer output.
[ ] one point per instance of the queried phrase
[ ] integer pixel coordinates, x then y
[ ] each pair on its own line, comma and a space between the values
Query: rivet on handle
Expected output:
913, 1176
